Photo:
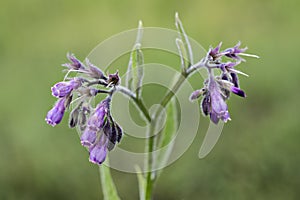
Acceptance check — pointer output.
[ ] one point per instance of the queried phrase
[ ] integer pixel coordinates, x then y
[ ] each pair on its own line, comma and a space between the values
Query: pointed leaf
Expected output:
139, 33
184, 38
135, 70
183, 55
108, 186
166, 140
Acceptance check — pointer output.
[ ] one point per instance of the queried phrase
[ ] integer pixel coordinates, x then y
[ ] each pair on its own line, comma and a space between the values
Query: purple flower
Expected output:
215, 53
75, 63
97, 118
95, 123
235, 51
110, 134
63, 89
228, 68
89, 136
56, 114
101, 133
98, 151
94, 71
218, 106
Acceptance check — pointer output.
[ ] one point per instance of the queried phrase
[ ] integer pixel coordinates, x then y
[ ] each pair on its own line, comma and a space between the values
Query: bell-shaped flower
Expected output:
218, 107
56, 114
98, 150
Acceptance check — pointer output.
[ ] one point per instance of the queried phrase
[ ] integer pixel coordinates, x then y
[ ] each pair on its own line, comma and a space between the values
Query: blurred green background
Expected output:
257, 156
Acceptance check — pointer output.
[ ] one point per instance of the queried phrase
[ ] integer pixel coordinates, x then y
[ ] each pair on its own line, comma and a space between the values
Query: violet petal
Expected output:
55, 115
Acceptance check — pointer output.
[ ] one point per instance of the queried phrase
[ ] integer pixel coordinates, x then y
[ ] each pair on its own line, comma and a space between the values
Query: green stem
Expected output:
143, 108
150, 177
177, 85
149, 160
173, 91
149, 149
108, 186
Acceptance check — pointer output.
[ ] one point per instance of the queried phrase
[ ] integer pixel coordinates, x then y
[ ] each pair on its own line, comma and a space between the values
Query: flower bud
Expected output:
205, 105
197, 93
63, 89
94, 71
75, 63
74, 115
238, 91
113, 79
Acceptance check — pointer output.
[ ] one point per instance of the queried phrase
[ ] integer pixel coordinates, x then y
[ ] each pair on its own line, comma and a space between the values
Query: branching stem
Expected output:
151, 141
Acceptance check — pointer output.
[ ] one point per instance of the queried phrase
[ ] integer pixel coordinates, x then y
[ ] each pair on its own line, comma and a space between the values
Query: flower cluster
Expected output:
217, 88
99, 131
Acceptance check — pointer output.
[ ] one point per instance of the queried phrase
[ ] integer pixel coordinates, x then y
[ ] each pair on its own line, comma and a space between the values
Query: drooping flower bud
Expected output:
63, 89
75, 63
55, 115
94, 124
82, 118
74, 116
98, 150
234, 79
237, 91
197, 93
97, 118
94, 71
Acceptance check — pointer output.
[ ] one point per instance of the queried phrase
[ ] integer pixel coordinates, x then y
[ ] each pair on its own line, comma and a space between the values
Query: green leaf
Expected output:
183, 36
166, 140
183, 54
135, 70
108, 186
141, 182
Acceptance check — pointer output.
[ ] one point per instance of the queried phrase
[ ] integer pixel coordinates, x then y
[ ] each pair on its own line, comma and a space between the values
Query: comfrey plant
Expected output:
99, 132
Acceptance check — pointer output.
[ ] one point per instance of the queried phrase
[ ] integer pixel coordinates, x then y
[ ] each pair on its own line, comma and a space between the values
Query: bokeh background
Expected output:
257, 156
